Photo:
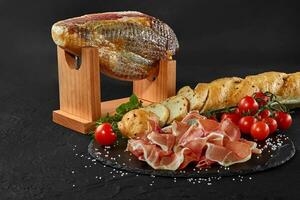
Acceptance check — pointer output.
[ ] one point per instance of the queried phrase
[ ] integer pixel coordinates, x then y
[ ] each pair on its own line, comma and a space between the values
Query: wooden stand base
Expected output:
85, 126
73, 122
80, 91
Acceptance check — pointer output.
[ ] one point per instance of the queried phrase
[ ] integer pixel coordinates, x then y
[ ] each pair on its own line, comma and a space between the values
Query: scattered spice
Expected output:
271, 145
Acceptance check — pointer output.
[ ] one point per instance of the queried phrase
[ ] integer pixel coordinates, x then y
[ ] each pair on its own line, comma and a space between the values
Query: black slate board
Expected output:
272, 156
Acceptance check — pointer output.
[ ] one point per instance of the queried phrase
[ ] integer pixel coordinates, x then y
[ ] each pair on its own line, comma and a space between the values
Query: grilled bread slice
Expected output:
178, 107
160, 110
195, 100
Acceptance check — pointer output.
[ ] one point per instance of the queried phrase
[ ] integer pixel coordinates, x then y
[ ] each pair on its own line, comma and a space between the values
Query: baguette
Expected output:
218, 94
227, 92
264, 82
289, 93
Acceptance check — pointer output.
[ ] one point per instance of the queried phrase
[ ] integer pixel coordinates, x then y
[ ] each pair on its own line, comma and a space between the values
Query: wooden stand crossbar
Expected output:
80, 90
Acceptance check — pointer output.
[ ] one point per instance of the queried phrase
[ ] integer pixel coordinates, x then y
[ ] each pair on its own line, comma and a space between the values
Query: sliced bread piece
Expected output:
201, 90
178, 107
160, 110
135, 123
195, 99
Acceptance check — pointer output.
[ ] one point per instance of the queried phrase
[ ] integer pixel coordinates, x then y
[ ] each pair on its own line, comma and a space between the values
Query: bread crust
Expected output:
219, 94
178, 107
195, 100
291, 87
201, 90
229, 91
135, 123
160, 110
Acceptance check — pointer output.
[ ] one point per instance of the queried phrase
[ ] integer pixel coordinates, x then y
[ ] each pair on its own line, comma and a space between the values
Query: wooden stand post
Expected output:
80, 90
162, 87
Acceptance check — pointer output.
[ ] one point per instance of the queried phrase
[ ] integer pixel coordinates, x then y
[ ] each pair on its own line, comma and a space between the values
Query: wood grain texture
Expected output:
162, 87
79, 90
73, 122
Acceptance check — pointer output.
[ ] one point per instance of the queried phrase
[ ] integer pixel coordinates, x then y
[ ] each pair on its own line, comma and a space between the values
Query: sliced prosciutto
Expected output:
195, 139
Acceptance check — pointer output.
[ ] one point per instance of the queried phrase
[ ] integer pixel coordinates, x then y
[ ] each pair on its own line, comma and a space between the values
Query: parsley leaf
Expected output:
121, 110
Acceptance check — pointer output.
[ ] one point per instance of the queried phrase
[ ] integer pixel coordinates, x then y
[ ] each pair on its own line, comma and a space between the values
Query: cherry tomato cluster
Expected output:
255, 116
104, 134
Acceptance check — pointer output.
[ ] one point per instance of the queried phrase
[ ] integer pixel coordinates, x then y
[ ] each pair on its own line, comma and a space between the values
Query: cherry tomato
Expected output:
104, 134
237, 111
234, 117
246, 122
260, 130
248, 105
264, 114
261, 98
272, 123
284, 120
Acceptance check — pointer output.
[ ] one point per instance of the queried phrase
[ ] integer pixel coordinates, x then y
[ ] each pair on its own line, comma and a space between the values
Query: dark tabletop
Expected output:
42, 160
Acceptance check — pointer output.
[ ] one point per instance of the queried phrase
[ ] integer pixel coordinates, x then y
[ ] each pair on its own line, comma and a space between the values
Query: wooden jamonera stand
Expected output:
80, 90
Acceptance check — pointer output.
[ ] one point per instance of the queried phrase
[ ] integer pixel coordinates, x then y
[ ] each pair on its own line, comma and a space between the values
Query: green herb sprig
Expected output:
121, 110
273, 105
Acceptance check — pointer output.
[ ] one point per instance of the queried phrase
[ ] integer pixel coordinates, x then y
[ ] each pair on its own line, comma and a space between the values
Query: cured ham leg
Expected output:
129, 43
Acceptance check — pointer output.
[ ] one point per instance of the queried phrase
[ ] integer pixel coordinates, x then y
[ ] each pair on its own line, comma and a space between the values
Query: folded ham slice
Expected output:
194, 139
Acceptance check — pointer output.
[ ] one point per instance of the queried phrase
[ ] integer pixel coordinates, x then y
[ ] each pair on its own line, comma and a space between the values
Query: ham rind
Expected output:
194, 139
128, 44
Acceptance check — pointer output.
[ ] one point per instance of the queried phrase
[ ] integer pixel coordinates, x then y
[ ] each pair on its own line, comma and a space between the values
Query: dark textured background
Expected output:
217, 38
